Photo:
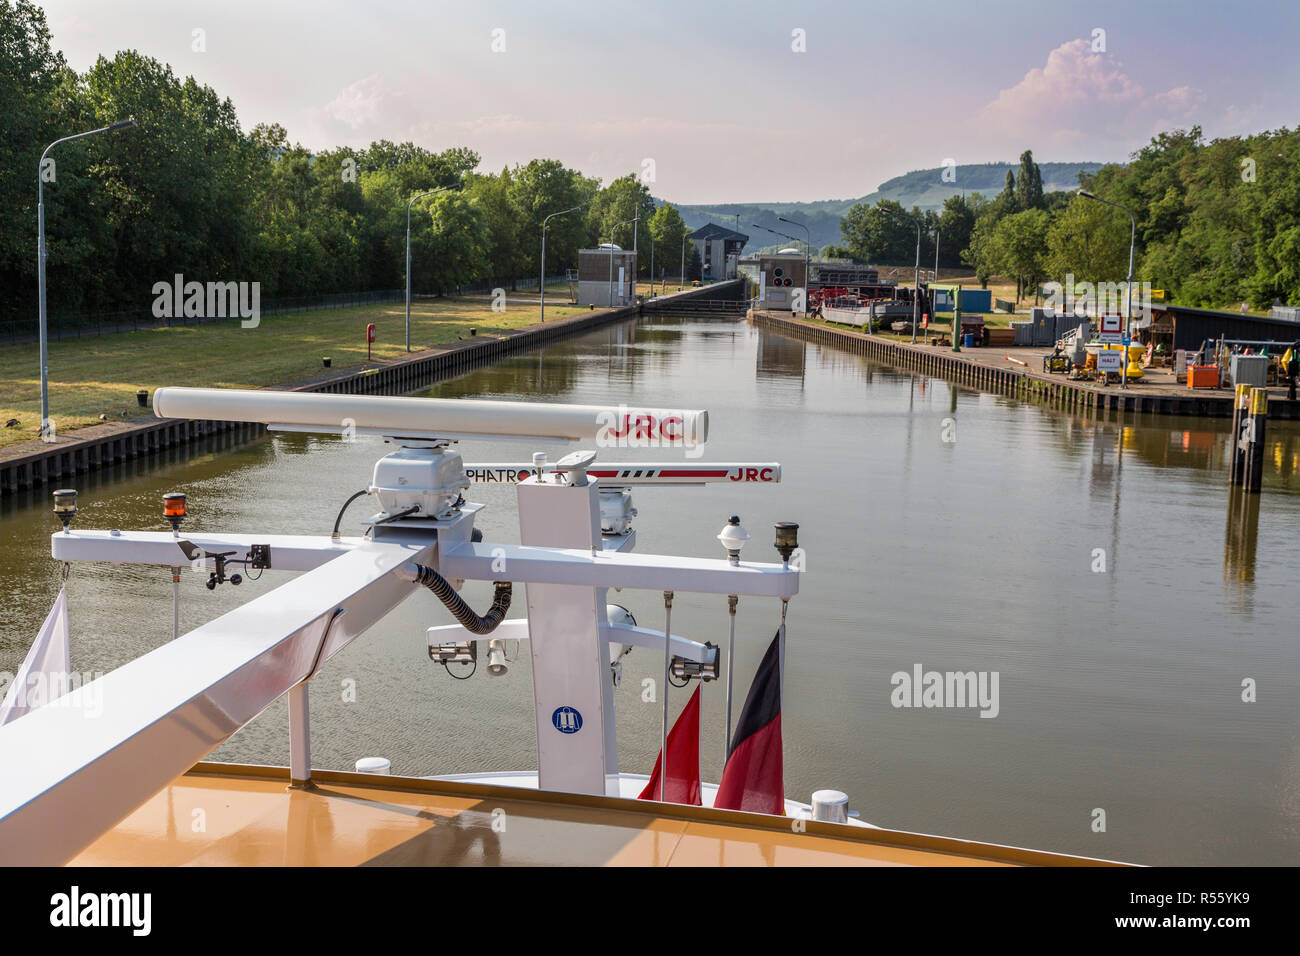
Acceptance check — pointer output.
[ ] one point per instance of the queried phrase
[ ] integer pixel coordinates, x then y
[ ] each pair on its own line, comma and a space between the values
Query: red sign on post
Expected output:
1112, 323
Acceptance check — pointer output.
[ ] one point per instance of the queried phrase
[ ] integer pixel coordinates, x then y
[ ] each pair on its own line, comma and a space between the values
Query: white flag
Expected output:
45, 667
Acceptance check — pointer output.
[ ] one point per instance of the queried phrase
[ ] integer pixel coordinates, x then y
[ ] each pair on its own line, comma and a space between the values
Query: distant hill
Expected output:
924, 188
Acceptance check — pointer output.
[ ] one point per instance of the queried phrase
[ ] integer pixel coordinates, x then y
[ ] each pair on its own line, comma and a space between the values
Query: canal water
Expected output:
1140, 624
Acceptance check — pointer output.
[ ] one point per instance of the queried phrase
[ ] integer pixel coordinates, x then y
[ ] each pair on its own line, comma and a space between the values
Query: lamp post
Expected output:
937, 233
934, 282
542, 285
1128, 288
916, 289
611, 261
430, 192
681, 279
42, 254
807, 258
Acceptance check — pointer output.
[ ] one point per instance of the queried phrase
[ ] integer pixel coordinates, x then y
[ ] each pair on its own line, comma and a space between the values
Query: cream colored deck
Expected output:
226, 815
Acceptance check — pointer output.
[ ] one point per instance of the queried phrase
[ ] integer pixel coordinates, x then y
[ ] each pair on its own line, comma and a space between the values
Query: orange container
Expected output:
1202, 376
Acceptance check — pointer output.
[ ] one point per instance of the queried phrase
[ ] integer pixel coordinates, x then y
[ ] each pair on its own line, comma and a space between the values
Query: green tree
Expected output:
491, 196
174, 194
619, 202
451, 246
35, 89
538, 189
956, 224
884, 233
1029, 184
1005, 203
981, 253
1088, 240
837, 252
669, 232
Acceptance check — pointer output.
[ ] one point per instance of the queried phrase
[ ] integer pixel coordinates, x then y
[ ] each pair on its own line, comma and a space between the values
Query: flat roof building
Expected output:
719, 250
606, 276
1186, 327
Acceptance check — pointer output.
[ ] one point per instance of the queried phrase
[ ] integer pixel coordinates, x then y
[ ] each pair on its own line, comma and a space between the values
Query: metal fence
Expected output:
518, 285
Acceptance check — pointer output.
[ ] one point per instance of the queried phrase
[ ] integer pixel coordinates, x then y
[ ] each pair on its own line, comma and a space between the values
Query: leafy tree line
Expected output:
188, 191
1217, 223
991, 235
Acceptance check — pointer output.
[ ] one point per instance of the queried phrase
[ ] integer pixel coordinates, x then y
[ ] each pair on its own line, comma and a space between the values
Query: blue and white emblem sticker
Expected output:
567, 720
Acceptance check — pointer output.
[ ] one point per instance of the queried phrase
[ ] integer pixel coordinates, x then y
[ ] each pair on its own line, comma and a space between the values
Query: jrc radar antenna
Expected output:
437, 419
422, 481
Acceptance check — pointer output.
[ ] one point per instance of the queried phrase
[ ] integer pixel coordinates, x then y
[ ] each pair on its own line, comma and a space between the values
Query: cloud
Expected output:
1080, 97
360, 103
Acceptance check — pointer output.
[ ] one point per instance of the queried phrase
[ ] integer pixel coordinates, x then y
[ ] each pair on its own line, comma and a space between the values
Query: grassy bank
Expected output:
99, 375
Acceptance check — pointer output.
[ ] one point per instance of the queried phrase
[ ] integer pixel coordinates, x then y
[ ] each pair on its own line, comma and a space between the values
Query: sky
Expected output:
715, 102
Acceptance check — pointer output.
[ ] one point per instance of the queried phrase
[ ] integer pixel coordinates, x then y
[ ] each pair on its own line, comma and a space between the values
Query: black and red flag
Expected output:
683, 784
753, 777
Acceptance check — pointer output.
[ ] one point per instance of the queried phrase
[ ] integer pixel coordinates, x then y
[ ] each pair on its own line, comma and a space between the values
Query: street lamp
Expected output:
611, 260
937, 234
681, 279
916, 289
1128, 289
42, 255
542, 286
807, 255
440, 189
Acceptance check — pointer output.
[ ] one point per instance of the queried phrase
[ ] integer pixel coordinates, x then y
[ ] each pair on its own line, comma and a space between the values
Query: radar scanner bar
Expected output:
437, 418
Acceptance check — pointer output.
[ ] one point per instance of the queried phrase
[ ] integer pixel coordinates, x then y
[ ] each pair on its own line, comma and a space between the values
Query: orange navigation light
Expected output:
174, 508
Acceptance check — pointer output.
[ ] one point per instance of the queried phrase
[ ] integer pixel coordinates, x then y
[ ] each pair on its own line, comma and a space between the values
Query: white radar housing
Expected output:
430, 478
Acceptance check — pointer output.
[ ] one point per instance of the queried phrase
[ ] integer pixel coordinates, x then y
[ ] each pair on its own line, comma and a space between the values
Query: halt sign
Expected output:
1112, 323
1109, 360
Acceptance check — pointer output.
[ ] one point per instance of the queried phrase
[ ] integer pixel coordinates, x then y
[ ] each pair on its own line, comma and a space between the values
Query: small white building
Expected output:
780, 276
606, 276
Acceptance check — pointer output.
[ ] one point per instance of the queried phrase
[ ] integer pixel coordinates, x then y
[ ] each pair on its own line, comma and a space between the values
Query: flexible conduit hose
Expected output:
462, 612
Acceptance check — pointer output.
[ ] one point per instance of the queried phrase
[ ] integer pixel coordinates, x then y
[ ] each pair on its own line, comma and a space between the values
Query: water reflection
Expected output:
780, 357
1240, 539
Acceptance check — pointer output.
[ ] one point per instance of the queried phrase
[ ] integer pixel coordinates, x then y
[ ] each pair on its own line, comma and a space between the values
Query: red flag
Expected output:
683, 759
752, 780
